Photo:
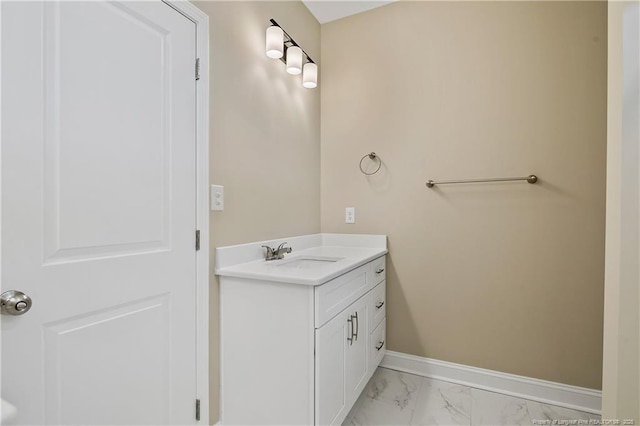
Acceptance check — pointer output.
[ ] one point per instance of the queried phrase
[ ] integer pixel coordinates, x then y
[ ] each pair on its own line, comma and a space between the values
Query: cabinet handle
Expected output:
380, 345
379, 270
354, 335
357, 325
379, 305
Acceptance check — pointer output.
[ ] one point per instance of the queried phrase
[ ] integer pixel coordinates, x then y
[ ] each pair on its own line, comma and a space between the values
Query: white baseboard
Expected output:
559, 394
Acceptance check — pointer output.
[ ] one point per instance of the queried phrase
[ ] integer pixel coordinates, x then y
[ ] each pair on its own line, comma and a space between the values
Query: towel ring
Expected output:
372, 156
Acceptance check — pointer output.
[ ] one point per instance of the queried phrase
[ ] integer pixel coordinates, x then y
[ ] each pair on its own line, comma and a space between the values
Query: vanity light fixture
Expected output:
280, 45
310, 75
275, 42
294, 60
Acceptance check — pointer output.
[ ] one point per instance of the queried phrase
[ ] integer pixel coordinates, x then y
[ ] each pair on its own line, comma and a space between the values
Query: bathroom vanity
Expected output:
300, 336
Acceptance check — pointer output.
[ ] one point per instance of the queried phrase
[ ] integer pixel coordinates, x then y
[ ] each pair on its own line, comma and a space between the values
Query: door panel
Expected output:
98, 212
358, 352
75, 350
331, 350
85, 118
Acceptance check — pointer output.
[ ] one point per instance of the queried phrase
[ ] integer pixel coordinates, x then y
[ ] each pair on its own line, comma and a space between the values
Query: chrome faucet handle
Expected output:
282, 248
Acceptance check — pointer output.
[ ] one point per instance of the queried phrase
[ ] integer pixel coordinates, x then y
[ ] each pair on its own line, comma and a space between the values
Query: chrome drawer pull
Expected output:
354, 319
380, 345
350, 321
379, 270
357, 325
379, 305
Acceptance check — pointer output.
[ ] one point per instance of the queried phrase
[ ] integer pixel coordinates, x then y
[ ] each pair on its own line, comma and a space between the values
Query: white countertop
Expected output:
352, 251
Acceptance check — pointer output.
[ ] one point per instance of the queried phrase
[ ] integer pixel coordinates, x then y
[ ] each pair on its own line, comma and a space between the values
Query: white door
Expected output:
98, 212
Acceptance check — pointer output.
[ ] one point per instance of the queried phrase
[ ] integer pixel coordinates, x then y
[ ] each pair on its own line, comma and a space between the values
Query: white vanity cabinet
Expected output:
300, 354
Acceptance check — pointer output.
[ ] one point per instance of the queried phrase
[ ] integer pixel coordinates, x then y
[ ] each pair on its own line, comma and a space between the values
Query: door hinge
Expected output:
197, 409
197, 240
197, 69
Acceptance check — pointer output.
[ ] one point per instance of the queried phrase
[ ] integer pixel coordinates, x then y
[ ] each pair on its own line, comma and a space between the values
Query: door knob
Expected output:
14, 302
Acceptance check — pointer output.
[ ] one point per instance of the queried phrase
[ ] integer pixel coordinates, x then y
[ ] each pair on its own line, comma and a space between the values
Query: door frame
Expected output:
620, 393
201, 19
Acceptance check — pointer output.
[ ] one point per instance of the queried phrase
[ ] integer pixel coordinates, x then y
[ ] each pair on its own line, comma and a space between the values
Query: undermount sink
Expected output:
308, 262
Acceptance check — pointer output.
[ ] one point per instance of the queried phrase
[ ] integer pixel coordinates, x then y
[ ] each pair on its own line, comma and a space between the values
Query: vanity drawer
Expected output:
378, 308
377, 345
332, 297
378, 270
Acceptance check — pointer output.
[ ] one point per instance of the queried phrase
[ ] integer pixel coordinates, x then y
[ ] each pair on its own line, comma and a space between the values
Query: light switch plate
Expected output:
350, 215
217, 197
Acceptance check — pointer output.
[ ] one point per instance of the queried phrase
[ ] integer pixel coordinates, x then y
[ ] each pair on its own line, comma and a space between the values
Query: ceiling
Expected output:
330, 10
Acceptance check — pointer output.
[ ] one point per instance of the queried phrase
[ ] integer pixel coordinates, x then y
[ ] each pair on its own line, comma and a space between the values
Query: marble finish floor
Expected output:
395, 398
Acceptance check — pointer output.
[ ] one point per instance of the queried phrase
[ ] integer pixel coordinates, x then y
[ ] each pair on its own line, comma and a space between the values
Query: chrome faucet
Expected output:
277, 253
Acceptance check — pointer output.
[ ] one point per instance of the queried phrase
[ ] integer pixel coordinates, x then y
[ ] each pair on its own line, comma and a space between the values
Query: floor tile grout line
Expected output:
470, 406
418, 393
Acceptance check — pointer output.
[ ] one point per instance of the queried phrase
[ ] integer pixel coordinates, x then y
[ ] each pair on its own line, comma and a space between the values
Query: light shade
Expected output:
310, 75
294, 60
275, 42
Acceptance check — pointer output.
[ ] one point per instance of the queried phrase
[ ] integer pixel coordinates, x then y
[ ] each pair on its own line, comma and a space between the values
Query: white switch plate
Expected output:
217, 197
350, 215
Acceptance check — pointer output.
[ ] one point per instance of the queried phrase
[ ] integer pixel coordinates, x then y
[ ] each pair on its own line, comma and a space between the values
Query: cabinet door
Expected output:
331, 351
357, 357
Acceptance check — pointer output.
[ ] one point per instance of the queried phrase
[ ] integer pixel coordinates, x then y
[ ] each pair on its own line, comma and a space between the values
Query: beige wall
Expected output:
265, 135
621, 369
501, 276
